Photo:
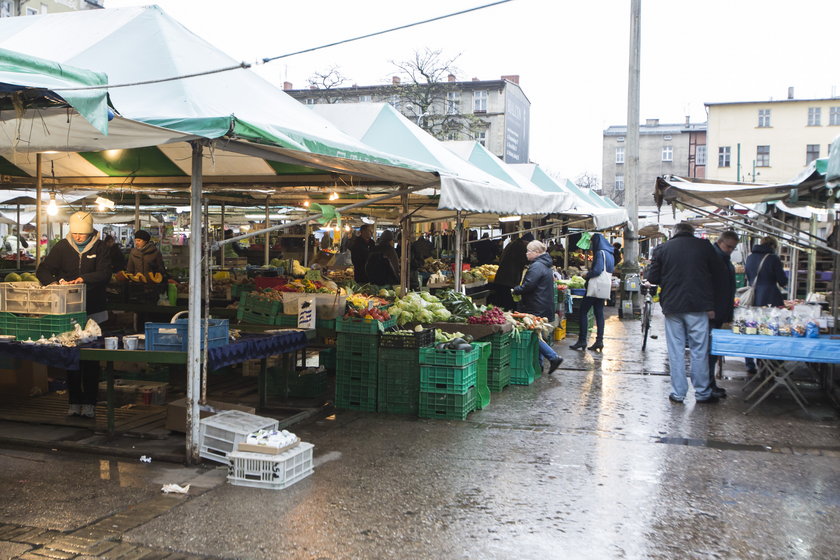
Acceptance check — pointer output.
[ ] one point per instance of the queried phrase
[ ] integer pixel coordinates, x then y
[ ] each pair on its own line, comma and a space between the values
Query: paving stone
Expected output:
42, 553
29, 535
71, 543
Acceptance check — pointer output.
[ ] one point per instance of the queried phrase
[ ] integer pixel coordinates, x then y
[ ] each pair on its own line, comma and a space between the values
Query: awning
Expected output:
832, 172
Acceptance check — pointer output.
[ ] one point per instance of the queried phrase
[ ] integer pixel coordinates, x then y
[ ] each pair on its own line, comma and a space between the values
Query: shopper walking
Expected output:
602, 259
683, 268
723, 288
537, 291
81, 258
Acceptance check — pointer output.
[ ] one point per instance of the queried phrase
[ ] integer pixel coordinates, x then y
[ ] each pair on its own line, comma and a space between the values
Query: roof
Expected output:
762, 102
621, 130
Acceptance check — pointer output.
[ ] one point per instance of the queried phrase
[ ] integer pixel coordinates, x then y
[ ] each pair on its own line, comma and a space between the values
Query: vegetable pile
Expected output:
491, 316
421, 308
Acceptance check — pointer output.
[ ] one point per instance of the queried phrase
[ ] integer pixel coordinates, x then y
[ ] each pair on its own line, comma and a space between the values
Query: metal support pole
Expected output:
267, 251
459, 248
205, 273
631, 238
222, 227
194, 308
39, 179
17, 236
405, 245
137, 211
306, 245
812, 259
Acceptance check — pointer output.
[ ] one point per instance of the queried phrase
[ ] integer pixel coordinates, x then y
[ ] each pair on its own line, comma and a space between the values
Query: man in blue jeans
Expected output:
683, 268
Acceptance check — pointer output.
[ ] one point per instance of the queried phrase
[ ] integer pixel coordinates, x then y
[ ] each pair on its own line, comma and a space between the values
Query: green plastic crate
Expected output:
355, 397
448, 379
238, 290
26, 326
524, 353
357, 347
254, 318
430, 356
326, 358
500, 349
499, 377
445, 405
356, 370
359, 325
399, 381
282, 320
325, 328
296, 385
252, 302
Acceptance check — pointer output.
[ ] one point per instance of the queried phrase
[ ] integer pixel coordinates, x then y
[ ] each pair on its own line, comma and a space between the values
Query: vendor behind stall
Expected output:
145, 257
81, 258
383, 266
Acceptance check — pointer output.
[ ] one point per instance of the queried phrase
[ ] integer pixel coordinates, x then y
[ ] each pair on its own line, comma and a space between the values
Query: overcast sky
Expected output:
571, 57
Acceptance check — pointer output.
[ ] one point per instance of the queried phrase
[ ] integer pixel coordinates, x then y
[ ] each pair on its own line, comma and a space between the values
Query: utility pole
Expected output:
631, 236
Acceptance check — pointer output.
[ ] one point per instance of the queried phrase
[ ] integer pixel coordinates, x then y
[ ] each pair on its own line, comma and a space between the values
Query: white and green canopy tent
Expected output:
596, 212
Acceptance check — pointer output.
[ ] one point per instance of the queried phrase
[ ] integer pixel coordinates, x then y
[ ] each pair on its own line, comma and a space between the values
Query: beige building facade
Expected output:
12, 8
769, 141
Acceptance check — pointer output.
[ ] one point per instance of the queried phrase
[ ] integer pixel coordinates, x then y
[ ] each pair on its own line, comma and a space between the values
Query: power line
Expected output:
245, 65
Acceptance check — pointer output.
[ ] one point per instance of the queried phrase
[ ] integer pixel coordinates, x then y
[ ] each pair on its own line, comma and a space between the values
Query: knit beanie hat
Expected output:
142, 234
81, 222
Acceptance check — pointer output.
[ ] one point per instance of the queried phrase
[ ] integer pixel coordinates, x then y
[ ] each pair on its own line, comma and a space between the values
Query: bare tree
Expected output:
588, 181
327, 84
422, 94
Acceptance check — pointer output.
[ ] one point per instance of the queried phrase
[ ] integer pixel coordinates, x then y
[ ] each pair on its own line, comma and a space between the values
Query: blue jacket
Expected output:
772, 273
537, 288
600, 260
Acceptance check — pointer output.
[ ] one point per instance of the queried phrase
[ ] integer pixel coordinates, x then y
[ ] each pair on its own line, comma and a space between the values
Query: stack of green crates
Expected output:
447, 382
256, 310
357, 357
524, 358
399, 371
498, 367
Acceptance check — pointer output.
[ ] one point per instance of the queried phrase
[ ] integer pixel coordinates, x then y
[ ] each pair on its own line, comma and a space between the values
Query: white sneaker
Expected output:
74, 410
88, 411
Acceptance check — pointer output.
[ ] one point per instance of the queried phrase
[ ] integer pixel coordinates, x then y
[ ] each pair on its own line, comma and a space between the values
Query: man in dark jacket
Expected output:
360, 248
511, 264
723, 279
537, 291
81, 258
145, 257
683, 268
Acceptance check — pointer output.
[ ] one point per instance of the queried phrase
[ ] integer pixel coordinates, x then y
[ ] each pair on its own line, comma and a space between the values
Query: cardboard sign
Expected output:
306, 311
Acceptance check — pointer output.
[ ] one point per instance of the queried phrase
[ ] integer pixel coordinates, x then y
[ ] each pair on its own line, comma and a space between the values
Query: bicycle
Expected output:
647, 291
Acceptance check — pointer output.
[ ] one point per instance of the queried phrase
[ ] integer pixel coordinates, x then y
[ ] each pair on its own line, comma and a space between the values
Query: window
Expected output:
452, 136
365, 99
834, 116
814, 116
667, 153
309, 101
481, 138
619, 154
5, 8
812, 152
724, 156
394, 101
31, 11
619, 182
762, 156
763, 118
667, 137
480, 101
44, 9
700, 156
453, 102
620, 139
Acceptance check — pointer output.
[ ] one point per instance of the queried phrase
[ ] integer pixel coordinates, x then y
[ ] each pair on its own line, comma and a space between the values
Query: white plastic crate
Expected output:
275, 472
219, 434
31, 297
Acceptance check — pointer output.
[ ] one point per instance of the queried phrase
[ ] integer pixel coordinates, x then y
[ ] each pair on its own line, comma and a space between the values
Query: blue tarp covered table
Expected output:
775, 355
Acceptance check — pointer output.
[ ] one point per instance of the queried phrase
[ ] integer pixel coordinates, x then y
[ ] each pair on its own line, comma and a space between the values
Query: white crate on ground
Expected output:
219, 434
275, 472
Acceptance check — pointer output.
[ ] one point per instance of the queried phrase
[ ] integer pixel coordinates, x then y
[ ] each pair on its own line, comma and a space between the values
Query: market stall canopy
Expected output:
463, 185
261, 133
832, 172
603, 215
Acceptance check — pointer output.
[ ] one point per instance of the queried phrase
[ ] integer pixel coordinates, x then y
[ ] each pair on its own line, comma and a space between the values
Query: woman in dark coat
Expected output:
772, 275
511, 264
602, 259
145, 257
383, 265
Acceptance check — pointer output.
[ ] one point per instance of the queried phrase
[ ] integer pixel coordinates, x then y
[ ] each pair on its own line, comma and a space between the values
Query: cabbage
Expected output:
425, 316
405, 317
429, 297
435, 307
442, 315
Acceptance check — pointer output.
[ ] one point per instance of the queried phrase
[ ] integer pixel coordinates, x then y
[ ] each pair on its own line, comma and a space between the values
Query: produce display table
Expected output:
249, 347
773, 352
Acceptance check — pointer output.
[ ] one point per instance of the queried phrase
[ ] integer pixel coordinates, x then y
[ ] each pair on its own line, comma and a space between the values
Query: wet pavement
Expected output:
591, 462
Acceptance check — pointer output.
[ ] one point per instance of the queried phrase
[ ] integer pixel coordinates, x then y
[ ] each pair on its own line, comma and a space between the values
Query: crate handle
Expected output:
178, 316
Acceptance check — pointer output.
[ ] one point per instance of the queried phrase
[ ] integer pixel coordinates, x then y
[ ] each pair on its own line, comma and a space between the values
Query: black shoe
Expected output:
598, 346
719, 392
674, 399
578, 346
554, 364
751, 371
710, 400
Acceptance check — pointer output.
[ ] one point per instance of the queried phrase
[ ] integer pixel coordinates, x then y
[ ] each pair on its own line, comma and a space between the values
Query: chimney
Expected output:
687, 120
790, 92
313, 86
287, 86
652, 122
512, 78
451, 77
395, 80
475, 79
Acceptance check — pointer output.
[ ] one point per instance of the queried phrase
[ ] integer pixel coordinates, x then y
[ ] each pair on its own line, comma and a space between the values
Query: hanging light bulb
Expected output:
334, 196
306, 204
52, 207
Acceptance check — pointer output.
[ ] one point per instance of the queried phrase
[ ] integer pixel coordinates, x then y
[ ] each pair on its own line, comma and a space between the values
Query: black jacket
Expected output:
723, 279
359, 251
65, 262
683, 268
772, 273
537, 288
145, 260
511, 264
379, 267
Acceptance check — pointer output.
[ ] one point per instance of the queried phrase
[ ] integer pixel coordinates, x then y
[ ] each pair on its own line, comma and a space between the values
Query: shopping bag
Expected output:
600, 286
746, 295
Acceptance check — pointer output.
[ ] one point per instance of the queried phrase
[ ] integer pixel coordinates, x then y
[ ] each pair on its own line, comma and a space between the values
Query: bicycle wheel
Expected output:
645, 324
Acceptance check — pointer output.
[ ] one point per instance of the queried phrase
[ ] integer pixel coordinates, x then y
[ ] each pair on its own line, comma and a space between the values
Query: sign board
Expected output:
517, 125
306, 311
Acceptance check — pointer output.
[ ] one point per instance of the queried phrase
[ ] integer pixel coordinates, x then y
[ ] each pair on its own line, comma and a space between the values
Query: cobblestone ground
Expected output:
591, 462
